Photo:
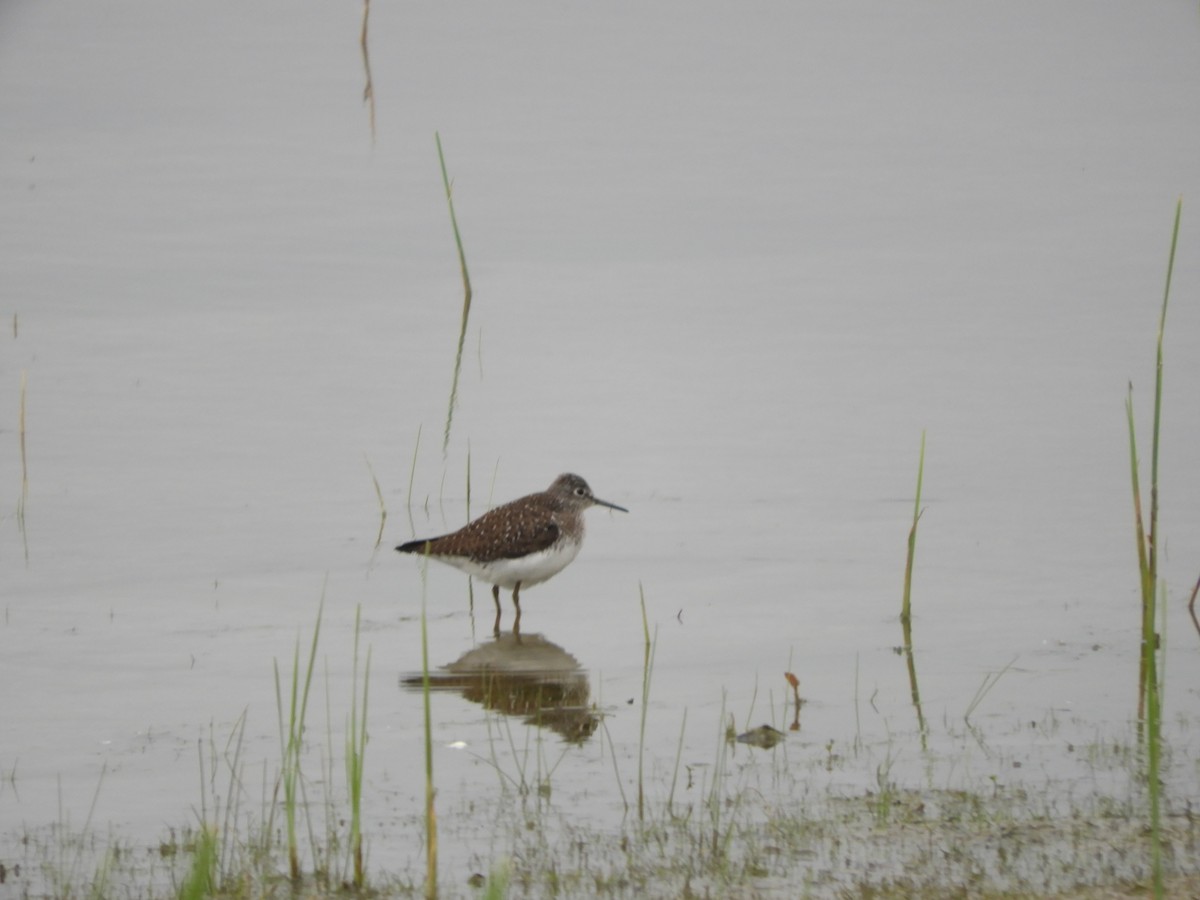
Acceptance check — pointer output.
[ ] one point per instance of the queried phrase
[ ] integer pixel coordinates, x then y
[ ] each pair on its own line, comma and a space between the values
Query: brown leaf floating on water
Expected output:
795, 683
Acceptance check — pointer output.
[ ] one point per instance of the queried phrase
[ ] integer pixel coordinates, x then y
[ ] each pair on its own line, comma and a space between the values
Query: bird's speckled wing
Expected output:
506, 532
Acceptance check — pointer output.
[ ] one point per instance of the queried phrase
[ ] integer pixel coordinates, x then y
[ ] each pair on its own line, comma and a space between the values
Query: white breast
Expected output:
528, 570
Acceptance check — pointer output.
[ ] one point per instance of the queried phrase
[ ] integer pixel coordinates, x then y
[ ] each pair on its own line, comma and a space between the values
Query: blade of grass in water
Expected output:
369, 90
906, 605
431, 845
1150, 638
1145, 572
412, 474
1146, 532
1192, 606
466, 311
356, 746
675, 772
647, 668
1158, 391
24, 461
379, 496
291, 737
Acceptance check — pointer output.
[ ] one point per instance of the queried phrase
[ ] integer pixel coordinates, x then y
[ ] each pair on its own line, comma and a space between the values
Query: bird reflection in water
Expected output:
525, 676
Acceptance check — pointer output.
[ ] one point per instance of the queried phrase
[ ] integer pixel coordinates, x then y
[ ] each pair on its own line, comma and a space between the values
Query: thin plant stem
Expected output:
612, 749
412, 470
356, 746
906, 605
857, 715
1149, 684
233, 794
21, 501
21, 438
1158, 392
431, 841
383, 514
1192, 606
985, 687
647, 668
678, 757
1147, 532
1154, 766
471, 581
466, 310
291, 736
753, 701
369, 89
715, 796
62, 871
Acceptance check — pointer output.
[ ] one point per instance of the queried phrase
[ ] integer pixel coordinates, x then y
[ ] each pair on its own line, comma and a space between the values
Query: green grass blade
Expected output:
369, 89
431, 840
1158, 391
200, 879
383, 513
647, 669
356, 744
466, 310
906, 605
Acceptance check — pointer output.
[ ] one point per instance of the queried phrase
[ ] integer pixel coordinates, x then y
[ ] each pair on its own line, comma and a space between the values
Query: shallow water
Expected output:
728, 265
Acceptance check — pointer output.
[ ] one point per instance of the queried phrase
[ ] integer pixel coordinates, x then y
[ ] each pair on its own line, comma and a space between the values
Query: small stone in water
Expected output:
763, 736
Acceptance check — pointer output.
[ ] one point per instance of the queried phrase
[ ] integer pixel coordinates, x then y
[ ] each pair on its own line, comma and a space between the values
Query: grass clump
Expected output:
291, 738
356, 748
1146, 532
201, 878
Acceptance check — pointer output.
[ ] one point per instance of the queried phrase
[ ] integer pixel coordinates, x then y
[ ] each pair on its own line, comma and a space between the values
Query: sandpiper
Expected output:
521, 543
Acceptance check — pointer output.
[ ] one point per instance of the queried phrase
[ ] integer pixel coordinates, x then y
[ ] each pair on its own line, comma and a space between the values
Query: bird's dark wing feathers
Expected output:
523, 542
484, 543
417, 546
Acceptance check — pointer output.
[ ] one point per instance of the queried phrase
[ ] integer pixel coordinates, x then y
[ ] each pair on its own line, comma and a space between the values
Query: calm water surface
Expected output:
728, 265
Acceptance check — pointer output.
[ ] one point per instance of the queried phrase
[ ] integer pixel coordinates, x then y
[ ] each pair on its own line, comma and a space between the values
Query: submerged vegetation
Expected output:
752, 823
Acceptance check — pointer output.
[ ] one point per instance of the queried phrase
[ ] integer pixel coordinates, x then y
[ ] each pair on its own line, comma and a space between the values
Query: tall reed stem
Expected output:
291, 737
466, 310
431, 842
906, 605
1149, 686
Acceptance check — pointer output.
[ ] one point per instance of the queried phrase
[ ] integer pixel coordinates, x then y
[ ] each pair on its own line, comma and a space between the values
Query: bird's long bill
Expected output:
599, 502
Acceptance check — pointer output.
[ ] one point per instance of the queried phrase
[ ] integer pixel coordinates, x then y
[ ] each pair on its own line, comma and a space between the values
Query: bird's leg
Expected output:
517, 604
496, 597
